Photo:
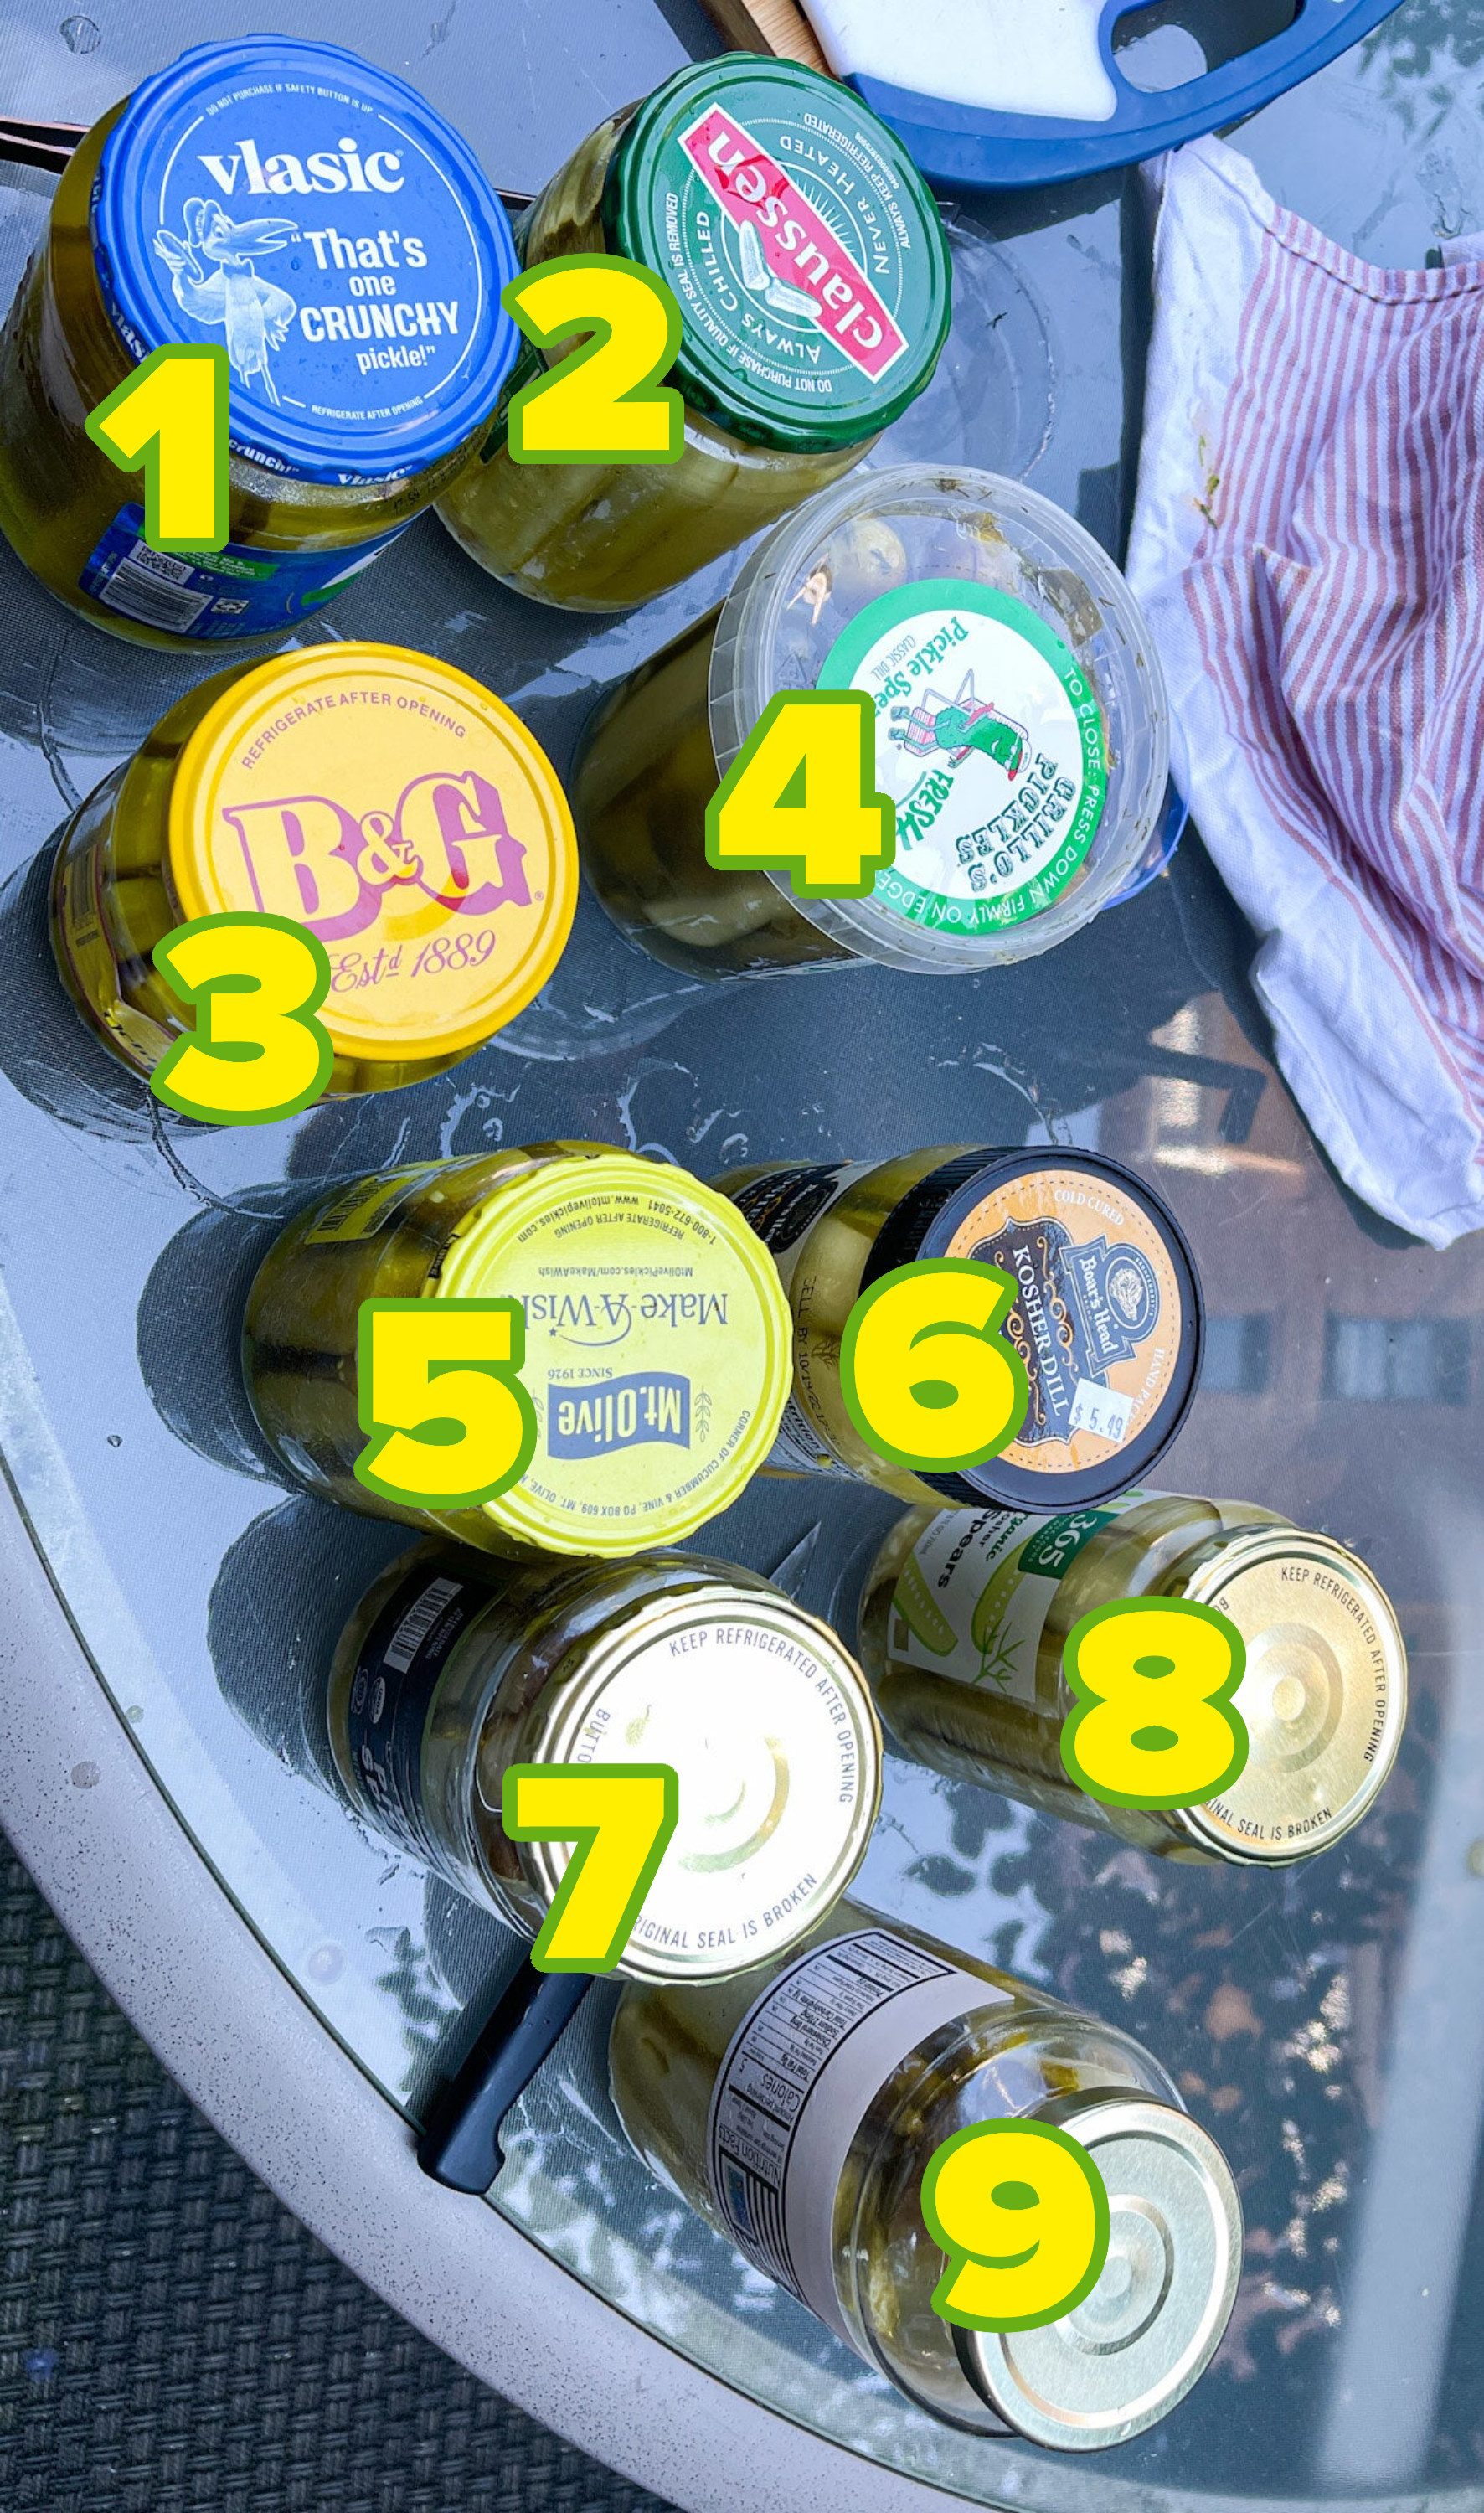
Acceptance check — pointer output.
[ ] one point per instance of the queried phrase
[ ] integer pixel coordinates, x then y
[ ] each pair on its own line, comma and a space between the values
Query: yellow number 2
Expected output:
439, 1398
928, 1378
800, 798
621, 1816
1021, 2211
257, 1053
601, 403
169, 418
1154, 1722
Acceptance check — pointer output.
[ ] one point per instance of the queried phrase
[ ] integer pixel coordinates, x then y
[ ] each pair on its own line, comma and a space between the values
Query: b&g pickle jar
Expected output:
811, 270
657, 1337
314, 217
1108, 1319
452, 1669
798, 2109
1021, 731
964, 1619
386, 803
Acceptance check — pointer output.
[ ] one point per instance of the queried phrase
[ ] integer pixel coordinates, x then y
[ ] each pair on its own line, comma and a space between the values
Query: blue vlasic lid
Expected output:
314, 216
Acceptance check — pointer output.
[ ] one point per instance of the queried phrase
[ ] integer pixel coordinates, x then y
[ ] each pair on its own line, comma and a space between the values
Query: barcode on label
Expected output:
1101, 1410
155, 589
416, 1623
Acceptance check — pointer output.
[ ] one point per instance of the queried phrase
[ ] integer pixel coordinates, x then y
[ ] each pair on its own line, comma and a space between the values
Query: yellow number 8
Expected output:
1021, 2211
1155, 1724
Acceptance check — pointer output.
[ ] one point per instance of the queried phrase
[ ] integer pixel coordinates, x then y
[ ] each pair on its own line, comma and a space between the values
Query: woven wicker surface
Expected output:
171, 2339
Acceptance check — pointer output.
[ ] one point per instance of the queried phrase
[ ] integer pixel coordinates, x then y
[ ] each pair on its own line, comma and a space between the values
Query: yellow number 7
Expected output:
621, 1816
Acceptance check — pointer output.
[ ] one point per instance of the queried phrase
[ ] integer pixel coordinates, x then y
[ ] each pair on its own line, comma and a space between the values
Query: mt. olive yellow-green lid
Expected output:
658, 1348
804, 249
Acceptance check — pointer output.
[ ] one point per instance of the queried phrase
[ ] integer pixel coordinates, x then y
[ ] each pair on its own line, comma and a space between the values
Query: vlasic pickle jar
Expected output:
312, 215
1109, 1320
656, 1336
453, 1667
385, 801
964, 1620
1021, 731
811, 270
798, 2108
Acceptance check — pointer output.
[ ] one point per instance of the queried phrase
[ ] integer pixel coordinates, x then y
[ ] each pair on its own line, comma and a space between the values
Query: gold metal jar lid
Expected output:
1142, 2338
769, 1725
1324, 1696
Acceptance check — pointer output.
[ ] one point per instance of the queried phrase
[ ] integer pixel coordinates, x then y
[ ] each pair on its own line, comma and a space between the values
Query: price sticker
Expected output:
927, 1378
1021, 2212
254, 983
448, 1421
621, 1816
800, 798
170, 418
602, 401
1154, 1722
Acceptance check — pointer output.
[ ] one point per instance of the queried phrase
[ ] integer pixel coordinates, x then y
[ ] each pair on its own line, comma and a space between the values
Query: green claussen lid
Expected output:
804, 249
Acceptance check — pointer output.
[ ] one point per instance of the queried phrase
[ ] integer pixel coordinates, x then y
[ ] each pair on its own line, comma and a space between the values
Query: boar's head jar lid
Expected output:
398, 811
314, 217
804, 249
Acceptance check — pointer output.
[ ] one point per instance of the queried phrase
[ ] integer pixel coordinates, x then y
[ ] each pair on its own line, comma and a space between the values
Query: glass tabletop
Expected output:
1326, 2024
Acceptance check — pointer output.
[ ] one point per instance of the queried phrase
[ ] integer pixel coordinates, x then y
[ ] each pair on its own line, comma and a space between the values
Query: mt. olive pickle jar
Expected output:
1109, 1320
657, 1337
452, 1669
964, 1620
1021, 731
316, 219
811, 270
885, 2044
385, 801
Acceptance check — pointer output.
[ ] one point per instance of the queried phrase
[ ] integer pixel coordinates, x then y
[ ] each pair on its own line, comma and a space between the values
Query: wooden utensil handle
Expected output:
768, 27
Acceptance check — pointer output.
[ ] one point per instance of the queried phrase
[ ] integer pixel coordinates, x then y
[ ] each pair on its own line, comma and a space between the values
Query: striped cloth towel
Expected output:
1306, 545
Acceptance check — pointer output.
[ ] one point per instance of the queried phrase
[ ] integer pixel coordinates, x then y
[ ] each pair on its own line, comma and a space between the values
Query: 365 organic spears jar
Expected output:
812, 275
385, 801
314, 217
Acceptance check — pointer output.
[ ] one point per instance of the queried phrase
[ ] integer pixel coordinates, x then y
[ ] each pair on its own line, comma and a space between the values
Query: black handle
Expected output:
460, 2146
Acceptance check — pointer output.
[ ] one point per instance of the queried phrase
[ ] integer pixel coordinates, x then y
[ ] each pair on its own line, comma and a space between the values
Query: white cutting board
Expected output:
1006, 56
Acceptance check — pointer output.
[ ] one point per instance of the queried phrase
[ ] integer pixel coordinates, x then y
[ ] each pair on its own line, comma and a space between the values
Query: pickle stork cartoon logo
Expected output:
214, 282
961, 725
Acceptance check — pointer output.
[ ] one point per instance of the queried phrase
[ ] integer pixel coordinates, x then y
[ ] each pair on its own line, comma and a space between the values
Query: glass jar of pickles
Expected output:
386, 803
886, 2043
1022, 733
964, 1619
1108, 1318
452, 1669
656, 1336
812, 275
313, 217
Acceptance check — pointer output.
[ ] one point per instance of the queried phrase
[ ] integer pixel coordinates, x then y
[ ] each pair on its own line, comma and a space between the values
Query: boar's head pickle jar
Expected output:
1021, 732
888, 2044
1108, 1318
966, 1616
656, 1336
389, 805
811, 270
314, 218
452, 1669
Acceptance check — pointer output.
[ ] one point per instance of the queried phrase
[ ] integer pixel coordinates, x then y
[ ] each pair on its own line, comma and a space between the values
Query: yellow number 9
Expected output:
1021, 2212
1155, 1724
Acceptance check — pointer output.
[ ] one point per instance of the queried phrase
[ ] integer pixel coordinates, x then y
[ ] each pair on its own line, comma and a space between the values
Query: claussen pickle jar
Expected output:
389, 804
1021, 732
964, 1620
811, 270
886, 2043
452, 1669
1108, 1320
312, 215
656, 1336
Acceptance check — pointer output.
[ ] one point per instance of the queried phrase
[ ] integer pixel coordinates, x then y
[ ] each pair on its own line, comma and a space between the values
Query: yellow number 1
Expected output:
169, 418
621, 1816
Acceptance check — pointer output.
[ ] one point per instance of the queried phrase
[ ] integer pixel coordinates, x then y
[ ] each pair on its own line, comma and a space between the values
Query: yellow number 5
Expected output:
1155, 1724
621, 1816
254, 984
1021, 2212
602, 403
441, 1401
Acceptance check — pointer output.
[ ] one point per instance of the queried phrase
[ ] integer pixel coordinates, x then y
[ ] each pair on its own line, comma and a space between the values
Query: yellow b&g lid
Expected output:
394, 808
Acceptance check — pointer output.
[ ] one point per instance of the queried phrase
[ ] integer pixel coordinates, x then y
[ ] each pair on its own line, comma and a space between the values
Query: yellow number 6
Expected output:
1021, 2211
601, 403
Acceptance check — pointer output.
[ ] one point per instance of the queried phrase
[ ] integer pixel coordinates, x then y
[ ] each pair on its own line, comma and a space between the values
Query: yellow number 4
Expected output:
1154, 1722
602, 403
621, 1816
170, 416
1021, 2211
254, 984
440, 1399
800, 798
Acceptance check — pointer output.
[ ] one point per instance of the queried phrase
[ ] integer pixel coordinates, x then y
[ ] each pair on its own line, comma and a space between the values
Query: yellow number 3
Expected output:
257, 1053
1021, 2211
1155, 1724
